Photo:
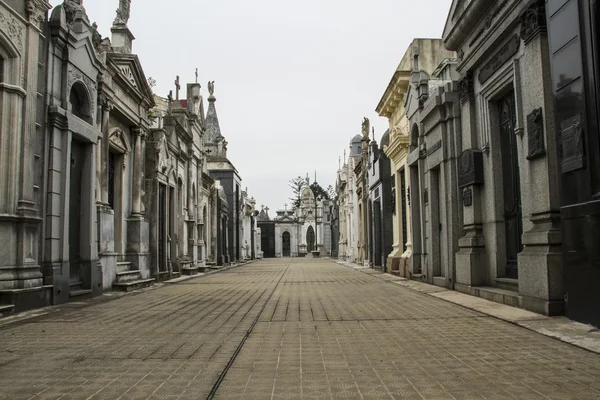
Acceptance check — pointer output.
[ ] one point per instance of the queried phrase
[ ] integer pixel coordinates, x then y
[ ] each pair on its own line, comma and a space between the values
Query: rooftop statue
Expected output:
365, 128
123, 12
211, 87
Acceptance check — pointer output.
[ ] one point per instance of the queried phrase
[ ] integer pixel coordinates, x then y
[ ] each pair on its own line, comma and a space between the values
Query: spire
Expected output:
213, 130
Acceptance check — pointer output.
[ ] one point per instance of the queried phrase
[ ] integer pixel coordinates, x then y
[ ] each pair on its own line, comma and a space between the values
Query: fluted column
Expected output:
190, 201
136, 206
107, 107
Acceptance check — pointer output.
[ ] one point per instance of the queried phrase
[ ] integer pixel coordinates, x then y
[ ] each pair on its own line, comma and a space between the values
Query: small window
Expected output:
1, 69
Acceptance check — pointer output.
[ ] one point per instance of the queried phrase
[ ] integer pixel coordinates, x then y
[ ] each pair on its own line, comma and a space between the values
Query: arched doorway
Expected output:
310, 239
286, 244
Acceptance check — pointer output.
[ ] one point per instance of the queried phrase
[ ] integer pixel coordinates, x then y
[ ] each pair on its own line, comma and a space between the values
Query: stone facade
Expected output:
427, 53
574, 49
347, 203
380, 203
305, 230
433, 110
507, 170
105, 186
23, 55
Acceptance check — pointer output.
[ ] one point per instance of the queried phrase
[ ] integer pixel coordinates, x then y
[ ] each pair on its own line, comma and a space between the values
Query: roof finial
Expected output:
177, 87
196, 75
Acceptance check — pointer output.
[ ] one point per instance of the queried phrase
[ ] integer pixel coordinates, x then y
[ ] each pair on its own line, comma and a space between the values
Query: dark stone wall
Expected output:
574, 53
229, 180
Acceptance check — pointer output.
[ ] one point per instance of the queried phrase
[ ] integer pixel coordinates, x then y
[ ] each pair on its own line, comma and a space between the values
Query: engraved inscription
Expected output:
502, 56
436, 146
467, 197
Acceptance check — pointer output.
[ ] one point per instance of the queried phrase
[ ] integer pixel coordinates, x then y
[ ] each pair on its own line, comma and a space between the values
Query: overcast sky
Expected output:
293, 79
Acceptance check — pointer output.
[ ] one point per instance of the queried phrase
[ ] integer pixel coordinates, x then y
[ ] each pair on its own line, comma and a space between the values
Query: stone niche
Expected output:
470, 168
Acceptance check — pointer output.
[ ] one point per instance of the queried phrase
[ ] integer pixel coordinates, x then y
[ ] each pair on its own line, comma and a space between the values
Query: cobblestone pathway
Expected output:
322, 331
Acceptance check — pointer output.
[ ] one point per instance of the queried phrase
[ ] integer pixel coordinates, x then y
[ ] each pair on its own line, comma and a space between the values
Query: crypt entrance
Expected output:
513, 223
286, 244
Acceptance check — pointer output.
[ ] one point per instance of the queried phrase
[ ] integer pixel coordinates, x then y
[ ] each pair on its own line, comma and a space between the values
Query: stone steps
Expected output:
123, 266
76, 290
189, 270
129, 276
133, 285
6, 309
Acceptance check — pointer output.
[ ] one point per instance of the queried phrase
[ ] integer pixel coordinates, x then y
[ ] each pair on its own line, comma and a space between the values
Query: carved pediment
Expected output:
128, 74
127, 67
118, 140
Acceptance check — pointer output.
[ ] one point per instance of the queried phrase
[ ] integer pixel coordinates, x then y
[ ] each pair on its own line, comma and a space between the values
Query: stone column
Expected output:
540, 262
107, 107
470, 264
136, 203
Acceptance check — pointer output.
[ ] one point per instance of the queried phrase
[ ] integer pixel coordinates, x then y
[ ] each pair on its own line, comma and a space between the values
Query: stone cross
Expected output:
177, 87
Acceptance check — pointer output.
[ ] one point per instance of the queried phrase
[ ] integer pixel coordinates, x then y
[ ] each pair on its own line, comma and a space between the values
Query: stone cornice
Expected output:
456, 34
393, 94
398, 148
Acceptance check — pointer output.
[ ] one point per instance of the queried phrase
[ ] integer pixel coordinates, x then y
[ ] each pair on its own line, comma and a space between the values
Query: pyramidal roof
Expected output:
213, 130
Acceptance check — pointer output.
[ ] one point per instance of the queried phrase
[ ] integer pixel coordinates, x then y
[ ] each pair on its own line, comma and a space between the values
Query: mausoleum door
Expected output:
162, 228
286, 244
511, 184
75, 195
310, 239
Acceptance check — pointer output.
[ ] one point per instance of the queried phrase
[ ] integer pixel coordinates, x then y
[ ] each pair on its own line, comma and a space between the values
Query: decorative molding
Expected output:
533, 21
435, 147
535, 134
36, 11
118, 139
499, 59
12, 27
489, 19
75, 75
466, 89
128, 74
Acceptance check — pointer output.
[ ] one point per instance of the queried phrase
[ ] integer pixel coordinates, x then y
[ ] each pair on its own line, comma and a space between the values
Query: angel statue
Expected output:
211, 87
123, 12
365, 128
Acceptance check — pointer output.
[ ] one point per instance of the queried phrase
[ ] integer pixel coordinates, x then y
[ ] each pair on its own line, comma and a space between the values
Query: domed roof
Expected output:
385, 139
356, 139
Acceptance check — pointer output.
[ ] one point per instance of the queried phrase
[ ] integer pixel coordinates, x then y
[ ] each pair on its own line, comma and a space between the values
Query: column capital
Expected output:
466, 88
533, 21
139, 131
106, 103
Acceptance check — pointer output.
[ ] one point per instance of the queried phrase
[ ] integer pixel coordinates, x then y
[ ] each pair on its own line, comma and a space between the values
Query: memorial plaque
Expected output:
470, 168
436, 146
467, 197
498, 60
572, 144
535, 134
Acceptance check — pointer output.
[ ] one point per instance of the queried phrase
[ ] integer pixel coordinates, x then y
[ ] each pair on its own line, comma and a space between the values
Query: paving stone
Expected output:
327, 332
